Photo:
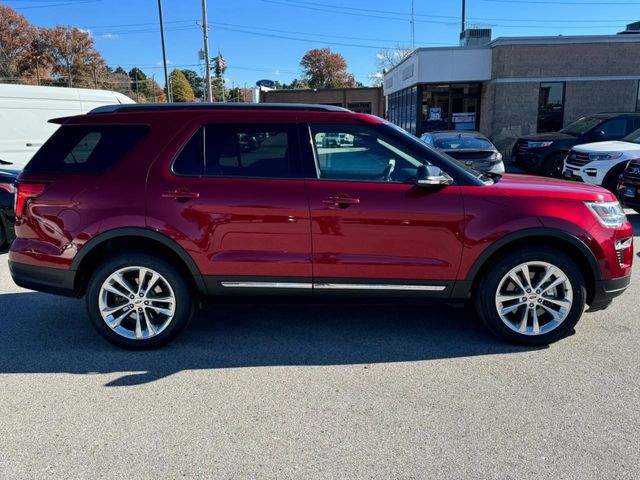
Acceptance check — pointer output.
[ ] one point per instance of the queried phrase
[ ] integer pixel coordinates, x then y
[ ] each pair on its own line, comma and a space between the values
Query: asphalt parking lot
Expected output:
316, 391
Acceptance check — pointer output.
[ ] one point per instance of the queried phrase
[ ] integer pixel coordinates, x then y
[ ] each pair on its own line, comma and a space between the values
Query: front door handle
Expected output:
181, 194
340, 201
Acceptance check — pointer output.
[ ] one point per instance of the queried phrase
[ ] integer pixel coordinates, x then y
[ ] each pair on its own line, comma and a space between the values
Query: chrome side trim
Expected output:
378, 286
266, 285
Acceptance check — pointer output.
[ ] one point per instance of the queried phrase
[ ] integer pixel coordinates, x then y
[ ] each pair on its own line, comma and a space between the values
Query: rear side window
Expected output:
245, 150
86, 148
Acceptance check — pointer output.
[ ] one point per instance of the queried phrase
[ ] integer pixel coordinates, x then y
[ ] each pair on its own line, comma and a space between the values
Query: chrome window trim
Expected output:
336, 286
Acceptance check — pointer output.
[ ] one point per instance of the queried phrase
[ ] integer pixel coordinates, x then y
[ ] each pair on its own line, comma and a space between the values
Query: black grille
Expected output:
632, 171
522, 147
577, 159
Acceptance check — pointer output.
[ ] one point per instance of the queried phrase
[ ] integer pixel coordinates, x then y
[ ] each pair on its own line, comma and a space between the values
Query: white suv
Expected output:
601, 163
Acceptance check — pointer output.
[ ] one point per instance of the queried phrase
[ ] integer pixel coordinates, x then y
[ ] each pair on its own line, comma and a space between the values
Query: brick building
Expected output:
363, 100
513, 86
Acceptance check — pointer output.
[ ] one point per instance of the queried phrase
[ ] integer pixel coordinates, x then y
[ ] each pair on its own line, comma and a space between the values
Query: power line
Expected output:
404, 17
49, 5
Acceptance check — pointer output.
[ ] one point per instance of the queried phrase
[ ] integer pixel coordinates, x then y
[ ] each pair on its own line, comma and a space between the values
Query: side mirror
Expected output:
431, 176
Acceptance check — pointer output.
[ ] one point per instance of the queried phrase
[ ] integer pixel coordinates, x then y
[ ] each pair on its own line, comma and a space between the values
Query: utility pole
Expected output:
95, 77
463, 14
413, 24
207, 59
70, 81
164, 54
153, 87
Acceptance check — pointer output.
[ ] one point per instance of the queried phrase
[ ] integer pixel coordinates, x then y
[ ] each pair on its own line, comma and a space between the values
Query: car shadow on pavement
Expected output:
41, 333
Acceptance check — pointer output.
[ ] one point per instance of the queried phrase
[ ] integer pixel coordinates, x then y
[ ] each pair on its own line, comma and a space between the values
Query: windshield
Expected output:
582, 126
462, 142
633, 137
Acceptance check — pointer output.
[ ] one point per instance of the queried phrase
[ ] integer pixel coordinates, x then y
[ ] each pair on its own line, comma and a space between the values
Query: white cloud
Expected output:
110, 36
276, 72
169, 62
376, 75
86, 30
380, 56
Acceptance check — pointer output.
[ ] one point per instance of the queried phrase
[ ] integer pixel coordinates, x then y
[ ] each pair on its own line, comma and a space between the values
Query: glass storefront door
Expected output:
453, 106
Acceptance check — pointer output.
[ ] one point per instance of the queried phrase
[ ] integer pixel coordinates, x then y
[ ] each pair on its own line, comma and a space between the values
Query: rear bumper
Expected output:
44, 279
606, 290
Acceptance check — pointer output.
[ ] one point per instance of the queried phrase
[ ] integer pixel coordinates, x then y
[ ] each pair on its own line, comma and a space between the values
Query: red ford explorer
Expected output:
142, 209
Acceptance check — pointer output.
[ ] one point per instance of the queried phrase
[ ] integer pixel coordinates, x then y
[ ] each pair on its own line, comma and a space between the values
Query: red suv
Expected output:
144, 208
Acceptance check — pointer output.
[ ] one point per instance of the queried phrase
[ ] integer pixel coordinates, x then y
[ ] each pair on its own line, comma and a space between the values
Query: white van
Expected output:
26, 109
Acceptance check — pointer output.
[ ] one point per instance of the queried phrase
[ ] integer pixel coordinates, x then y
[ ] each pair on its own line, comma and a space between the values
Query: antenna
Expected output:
464, 5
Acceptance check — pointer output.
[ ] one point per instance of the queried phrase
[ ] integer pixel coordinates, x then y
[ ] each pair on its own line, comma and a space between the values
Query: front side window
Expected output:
346, 152
551, 107
243, 150
612, 129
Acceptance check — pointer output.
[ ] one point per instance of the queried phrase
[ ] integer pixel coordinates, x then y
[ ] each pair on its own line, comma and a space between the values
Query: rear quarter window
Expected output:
86, 148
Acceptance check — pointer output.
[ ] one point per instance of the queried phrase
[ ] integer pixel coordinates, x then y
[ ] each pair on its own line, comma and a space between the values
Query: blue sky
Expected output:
267, 38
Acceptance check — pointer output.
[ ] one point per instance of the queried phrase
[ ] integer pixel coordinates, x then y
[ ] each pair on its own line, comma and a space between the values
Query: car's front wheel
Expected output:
138, 301
533, 296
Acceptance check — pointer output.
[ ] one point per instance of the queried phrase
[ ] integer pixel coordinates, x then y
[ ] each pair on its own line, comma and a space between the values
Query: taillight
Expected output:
9, 187
25, 191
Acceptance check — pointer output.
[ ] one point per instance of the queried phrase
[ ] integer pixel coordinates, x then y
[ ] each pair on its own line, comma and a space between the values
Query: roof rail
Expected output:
141, 107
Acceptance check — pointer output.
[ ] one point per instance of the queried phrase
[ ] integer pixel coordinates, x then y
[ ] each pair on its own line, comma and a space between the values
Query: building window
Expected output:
551, 107
360, 107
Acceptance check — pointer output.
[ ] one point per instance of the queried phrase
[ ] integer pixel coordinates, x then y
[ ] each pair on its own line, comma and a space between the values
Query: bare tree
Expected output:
388, 58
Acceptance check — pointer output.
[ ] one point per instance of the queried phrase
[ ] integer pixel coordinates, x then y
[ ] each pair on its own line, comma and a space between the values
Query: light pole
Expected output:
207, 60
463, 13
164, 54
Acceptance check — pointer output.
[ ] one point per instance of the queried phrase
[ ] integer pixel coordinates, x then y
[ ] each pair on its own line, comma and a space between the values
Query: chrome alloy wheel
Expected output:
137, 302
534, 298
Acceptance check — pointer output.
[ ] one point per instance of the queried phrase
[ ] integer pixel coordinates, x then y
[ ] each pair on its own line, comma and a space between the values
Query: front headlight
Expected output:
539, 144
610, 214
594, 157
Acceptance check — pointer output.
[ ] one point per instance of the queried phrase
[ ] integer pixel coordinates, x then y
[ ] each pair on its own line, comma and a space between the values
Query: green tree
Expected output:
180, 87
196, 81
218, 88
139, 83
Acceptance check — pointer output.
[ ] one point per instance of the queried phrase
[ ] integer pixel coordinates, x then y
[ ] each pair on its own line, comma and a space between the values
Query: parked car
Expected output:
544, 153
26, 109
7, 198
469, 147
142, 209
602, 163
628, 188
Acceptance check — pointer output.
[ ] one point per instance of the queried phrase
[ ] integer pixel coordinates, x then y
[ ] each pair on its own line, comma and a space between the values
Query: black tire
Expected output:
184, 300
552, 165
3, 236
610, 181
488, 288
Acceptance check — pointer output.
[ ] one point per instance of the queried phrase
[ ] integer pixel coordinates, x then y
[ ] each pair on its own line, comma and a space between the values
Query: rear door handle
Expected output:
180, 194
340, 201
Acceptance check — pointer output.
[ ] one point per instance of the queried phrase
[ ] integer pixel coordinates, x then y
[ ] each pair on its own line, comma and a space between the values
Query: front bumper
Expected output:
592, 173
44, 279
530, 160
606, 290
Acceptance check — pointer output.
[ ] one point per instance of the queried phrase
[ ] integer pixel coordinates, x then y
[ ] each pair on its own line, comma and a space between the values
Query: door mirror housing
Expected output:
432, 176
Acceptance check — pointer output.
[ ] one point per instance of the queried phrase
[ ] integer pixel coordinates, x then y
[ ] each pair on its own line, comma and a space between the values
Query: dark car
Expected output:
144, 209
7, 198
468, 147
629, 185
544, 153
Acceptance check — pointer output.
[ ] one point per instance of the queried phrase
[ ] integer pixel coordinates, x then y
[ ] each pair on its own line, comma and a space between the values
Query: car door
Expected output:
233, 196
371, 226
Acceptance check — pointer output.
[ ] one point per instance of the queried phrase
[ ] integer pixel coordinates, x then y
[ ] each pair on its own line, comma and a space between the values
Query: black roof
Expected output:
142, 107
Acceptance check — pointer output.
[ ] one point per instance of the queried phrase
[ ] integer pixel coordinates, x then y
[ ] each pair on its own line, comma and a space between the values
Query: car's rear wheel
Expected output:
533, 296
138, 301
552, 165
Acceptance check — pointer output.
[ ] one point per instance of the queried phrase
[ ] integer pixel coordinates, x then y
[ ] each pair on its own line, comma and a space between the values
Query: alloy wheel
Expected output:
137, 302
534, 298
